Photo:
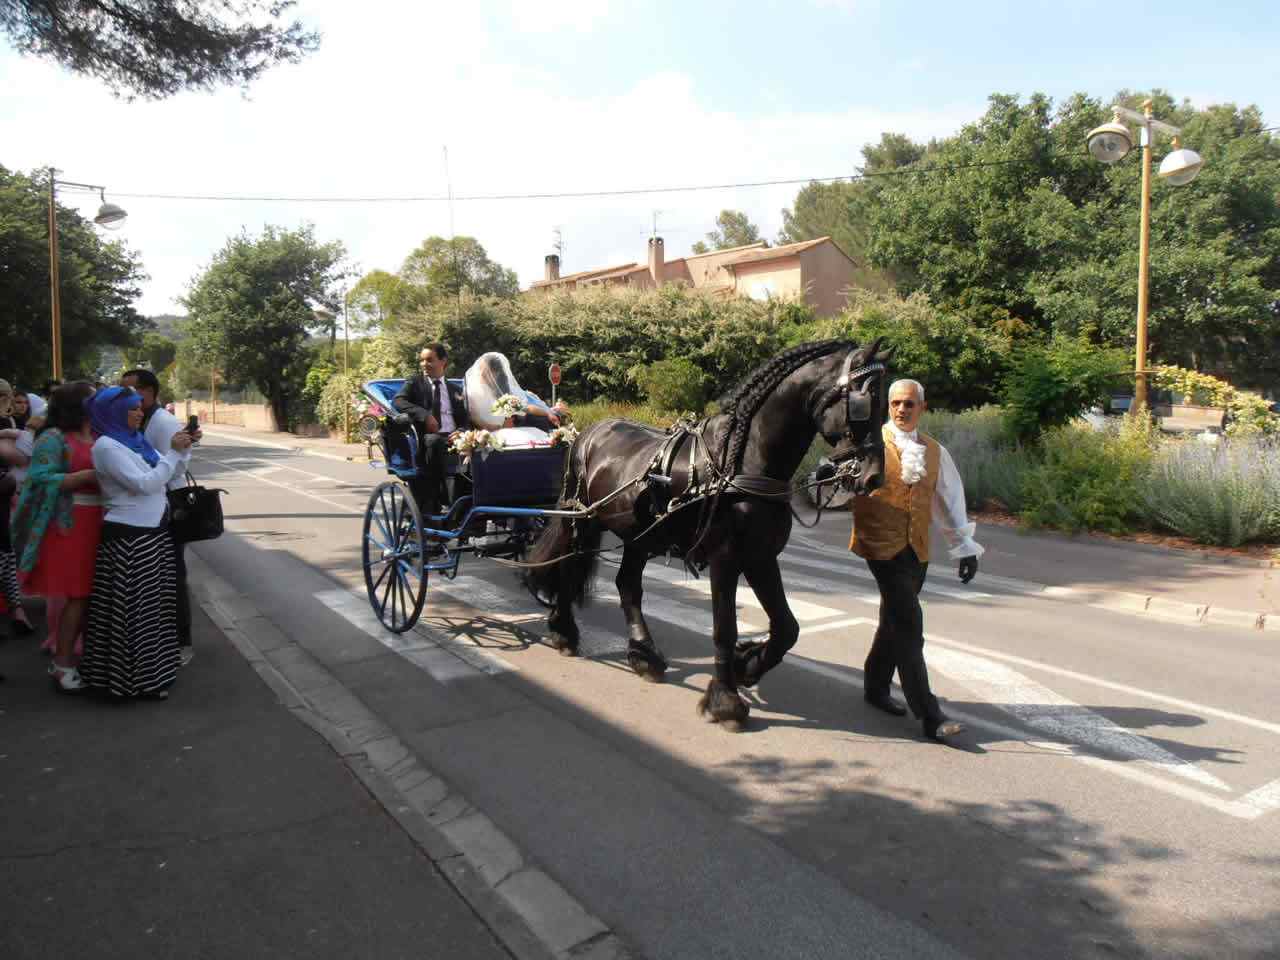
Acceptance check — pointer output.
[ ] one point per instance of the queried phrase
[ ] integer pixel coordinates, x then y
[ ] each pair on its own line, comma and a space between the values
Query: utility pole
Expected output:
346, 370
55, 297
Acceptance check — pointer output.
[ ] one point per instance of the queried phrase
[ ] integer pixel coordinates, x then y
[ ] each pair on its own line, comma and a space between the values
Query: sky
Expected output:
583, 95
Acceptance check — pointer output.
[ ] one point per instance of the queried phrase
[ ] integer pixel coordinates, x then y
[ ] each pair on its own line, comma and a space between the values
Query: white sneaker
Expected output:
187, 654
66, 679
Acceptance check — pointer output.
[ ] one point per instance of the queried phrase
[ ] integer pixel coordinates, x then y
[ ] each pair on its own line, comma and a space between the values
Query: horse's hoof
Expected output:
748, 664
649, 665
723, 706
565, 646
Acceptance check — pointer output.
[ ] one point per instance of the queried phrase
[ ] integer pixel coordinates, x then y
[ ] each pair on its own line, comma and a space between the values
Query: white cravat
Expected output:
911, 452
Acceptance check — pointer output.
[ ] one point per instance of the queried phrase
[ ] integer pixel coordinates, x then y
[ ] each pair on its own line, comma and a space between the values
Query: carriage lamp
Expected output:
1110, 143
109, 215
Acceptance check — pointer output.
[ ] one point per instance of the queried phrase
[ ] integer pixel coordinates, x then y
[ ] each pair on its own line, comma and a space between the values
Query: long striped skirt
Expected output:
131, 633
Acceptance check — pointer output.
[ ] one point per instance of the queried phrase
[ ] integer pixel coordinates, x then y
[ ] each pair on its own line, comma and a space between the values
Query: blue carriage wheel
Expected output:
393, 553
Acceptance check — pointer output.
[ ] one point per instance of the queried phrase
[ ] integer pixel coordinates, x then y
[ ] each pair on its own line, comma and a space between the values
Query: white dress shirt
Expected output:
447, 423
949, 510
26, 445
159, 433
132, 490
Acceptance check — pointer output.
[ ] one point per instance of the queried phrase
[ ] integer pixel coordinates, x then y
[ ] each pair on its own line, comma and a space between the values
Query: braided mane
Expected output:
745, 400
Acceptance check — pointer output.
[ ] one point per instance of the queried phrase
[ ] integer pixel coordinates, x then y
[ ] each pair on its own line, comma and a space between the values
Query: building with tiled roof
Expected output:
817, 271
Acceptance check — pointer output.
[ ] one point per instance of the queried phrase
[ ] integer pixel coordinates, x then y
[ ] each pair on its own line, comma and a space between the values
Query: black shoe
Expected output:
887, 704
941, 729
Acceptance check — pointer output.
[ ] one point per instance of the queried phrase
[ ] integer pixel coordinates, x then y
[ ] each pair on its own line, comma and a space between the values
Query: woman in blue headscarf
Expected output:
131, 636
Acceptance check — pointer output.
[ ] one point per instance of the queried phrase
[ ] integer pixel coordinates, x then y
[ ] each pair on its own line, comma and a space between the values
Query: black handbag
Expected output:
195, 512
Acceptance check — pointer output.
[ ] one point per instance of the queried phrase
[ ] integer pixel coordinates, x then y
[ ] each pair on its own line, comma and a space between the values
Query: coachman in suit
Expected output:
438, 409
891, 532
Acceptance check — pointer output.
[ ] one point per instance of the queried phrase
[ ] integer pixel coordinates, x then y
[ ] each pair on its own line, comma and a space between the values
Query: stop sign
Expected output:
554, 373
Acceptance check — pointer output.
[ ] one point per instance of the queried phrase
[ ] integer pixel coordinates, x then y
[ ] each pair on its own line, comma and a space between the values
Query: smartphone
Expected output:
193, 424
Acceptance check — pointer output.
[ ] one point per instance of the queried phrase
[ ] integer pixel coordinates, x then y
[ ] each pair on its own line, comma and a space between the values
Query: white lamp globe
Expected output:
1181, 167
1110, 143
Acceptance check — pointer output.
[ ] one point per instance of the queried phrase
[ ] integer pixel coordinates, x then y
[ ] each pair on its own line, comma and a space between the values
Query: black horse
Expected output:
718, 493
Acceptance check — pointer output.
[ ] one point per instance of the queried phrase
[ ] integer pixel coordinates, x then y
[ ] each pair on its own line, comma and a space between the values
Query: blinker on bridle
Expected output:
857, 407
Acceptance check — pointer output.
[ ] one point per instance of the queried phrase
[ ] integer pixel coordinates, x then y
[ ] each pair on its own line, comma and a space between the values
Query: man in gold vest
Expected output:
891, 532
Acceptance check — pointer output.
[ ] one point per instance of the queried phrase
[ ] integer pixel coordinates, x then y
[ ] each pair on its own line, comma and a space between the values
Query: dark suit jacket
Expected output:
417, 399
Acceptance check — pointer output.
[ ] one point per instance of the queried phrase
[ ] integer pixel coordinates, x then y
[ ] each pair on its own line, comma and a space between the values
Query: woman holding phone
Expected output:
159, 427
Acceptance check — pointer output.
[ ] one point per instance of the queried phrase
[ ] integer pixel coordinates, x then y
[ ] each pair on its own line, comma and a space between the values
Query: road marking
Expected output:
803, 609
1108, 684
1042, 709
345, 508
419, 646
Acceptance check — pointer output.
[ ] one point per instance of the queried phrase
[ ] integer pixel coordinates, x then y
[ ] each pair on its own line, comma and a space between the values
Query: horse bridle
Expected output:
859, 388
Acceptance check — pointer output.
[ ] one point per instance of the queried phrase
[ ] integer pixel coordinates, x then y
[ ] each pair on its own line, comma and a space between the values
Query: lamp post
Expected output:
109, 216
1111, 143
346, 370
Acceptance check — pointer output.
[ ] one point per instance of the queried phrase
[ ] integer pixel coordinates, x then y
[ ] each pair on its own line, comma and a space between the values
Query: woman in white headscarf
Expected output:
487, 381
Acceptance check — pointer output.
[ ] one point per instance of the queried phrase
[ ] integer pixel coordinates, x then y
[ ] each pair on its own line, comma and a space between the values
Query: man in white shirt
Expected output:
438, 408
159, 426
891, 532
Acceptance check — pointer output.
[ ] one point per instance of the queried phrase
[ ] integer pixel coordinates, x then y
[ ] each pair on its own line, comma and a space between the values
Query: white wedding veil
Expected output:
486, 380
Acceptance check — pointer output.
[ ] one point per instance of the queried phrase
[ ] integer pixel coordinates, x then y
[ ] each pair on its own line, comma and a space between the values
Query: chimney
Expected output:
552, 267
656, 260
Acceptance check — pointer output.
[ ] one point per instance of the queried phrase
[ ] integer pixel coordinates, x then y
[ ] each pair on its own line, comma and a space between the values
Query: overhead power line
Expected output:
905, 171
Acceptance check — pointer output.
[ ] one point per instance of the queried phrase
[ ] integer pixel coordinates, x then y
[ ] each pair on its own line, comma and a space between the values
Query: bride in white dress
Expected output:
490, 378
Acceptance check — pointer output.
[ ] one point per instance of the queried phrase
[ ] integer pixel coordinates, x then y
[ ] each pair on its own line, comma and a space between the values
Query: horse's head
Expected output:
850, 415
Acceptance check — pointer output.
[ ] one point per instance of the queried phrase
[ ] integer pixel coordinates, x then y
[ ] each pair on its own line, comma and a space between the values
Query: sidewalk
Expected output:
213, 825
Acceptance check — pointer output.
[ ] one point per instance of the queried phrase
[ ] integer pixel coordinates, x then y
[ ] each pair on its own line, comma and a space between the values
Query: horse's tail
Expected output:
566, 554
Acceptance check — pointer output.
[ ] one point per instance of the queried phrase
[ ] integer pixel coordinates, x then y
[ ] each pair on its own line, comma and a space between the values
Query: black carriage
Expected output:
497, 503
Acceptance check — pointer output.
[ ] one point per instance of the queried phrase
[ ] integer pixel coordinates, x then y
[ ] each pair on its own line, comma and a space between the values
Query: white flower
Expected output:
566, 435
508, 405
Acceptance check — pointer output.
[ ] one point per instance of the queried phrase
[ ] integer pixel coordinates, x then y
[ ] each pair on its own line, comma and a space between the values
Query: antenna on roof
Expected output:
655, 223
558, 244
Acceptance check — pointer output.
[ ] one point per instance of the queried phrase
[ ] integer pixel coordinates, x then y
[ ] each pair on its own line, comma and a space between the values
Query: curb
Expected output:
526, 910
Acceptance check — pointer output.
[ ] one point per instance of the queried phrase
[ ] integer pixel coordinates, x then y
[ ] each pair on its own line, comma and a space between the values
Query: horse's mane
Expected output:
744, 400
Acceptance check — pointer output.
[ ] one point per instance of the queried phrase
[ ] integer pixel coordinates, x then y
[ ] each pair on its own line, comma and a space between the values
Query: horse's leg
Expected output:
753, 661
722, 702
642, 653
562, 628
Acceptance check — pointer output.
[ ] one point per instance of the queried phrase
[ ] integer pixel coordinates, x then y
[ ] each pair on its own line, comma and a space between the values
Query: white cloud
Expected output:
370, 115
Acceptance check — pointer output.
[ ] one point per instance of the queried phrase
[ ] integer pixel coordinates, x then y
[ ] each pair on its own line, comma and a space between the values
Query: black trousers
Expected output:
428, 486
899, 641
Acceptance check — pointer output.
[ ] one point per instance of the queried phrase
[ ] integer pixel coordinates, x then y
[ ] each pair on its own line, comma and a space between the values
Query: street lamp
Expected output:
1110, 143
109, 215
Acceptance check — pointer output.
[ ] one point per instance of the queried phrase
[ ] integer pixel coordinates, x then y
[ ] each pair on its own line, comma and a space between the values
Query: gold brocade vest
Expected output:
897, 515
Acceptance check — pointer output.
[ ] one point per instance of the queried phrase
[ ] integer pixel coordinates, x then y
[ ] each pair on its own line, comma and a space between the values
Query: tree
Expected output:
1012, 225
252, 308
156, 48
842, 210
378, 298
99, 284
733, 229
442, 268
153, 350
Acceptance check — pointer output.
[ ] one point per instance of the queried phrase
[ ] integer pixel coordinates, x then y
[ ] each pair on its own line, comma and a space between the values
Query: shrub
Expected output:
319, 374
959, 364
337, 396
382, 359
991, 466
1089, 480
585, 414
675, 383
1247, 412
1052, 384
1227, 494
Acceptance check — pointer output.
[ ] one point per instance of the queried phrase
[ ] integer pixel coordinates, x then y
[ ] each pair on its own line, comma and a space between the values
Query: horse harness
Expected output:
672, 487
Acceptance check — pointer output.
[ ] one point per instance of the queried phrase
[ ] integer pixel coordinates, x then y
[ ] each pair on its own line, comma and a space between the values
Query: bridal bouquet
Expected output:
566, 435
508, 405
466, 442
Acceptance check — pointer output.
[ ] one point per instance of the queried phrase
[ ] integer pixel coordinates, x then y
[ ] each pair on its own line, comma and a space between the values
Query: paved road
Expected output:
1119, 794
